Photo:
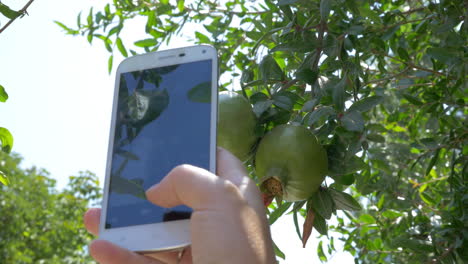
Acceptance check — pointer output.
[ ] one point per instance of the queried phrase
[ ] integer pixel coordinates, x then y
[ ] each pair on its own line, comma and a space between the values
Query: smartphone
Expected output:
164, 114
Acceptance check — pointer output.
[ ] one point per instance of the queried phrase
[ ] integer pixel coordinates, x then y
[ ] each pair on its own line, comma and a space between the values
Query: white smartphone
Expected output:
164, 114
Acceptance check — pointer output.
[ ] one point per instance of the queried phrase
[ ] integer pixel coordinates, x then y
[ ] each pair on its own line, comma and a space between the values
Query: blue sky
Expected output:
60, 101
59, 91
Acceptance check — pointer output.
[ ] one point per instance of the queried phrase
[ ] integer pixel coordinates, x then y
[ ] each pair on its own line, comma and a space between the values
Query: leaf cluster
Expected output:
40, 223
383, 86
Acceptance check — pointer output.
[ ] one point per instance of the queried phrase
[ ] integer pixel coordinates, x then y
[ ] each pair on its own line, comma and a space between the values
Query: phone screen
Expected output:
162, 120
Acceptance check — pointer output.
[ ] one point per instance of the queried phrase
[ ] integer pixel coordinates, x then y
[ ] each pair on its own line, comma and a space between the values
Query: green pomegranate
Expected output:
291, 163
236, 124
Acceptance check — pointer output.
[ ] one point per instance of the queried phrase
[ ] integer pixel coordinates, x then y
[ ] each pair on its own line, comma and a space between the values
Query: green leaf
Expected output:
90, 37
278, 251
319, 113
356, 30
260, 107
427, 198
266, 35
325, 6
283, 102
443, 55
121, 47
353, 121
340, 164
67, 29
107, 9
346, 179
320, 253
307, 75
3, 94
344, 201
296, 224
202, 38
4, 179
9, 13
366, 104
367, 218
322, 202
391, 214
412, 99
180, 5
278, 212
146, 42
89, 19
390, 32
376, 138
109, 63
270, 70
309, 105
413, 244
320, 225
433, 161
6, 139
339, 93
403, 54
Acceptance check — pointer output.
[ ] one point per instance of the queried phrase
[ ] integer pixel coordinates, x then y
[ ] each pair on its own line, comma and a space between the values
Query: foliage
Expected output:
6, 138
39, 223
382, 84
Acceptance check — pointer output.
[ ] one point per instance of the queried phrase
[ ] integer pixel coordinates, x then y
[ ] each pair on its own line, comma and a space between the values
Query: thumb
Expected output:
191, 186
229, 167
232, 169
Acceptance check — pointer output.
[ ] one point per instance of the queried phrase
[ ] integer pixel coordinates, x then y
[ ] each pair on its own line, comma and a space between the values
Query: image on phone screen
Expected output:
162, 120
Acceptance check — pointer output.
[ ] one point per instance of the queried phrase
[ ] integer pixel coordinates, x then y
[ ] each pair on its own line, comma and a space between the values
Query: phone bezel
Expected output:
167, 235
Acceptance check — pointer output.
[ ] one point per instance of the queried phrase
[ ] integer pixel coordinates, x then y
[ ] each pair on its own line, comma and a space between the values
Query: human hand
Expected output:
228, 223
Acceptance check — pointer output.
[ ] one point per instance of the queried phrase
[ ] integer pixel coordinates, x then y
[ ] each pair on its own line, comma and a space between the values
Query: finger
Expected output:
105, 252
229, 167
194, 187
91, 220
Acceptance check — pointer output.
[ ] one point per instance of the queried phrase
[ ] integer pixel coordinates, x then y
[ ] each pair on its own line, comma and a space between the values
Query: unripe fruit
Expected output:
291, 163
236, 124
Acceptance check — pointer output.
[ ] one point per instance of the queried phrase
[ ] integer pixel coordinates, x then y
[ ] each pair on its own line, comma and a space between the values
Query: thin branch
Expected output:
400, 24
22, 11
413, 10
288, 84
409, 64
388, 77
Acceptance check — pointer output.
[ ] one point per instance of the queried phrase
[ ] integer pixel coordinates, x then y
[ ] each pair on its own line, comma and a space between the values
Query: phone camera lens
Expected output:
203, 51
181, 54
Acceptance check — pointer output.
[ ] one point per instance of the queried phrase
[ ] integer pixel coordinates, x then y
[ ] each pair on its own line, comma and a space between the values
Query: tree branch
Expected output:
413, 10
409, 64
22, 11
388, 77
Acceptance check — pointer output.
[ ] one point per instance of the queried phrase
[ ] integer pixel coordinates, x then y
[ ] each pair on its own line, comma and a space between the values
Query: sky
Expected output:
60, 100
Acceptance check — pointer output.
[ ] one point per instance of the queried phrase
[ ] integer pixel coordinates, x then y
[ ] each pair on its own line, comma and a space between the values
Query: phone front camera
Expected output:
203, 51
